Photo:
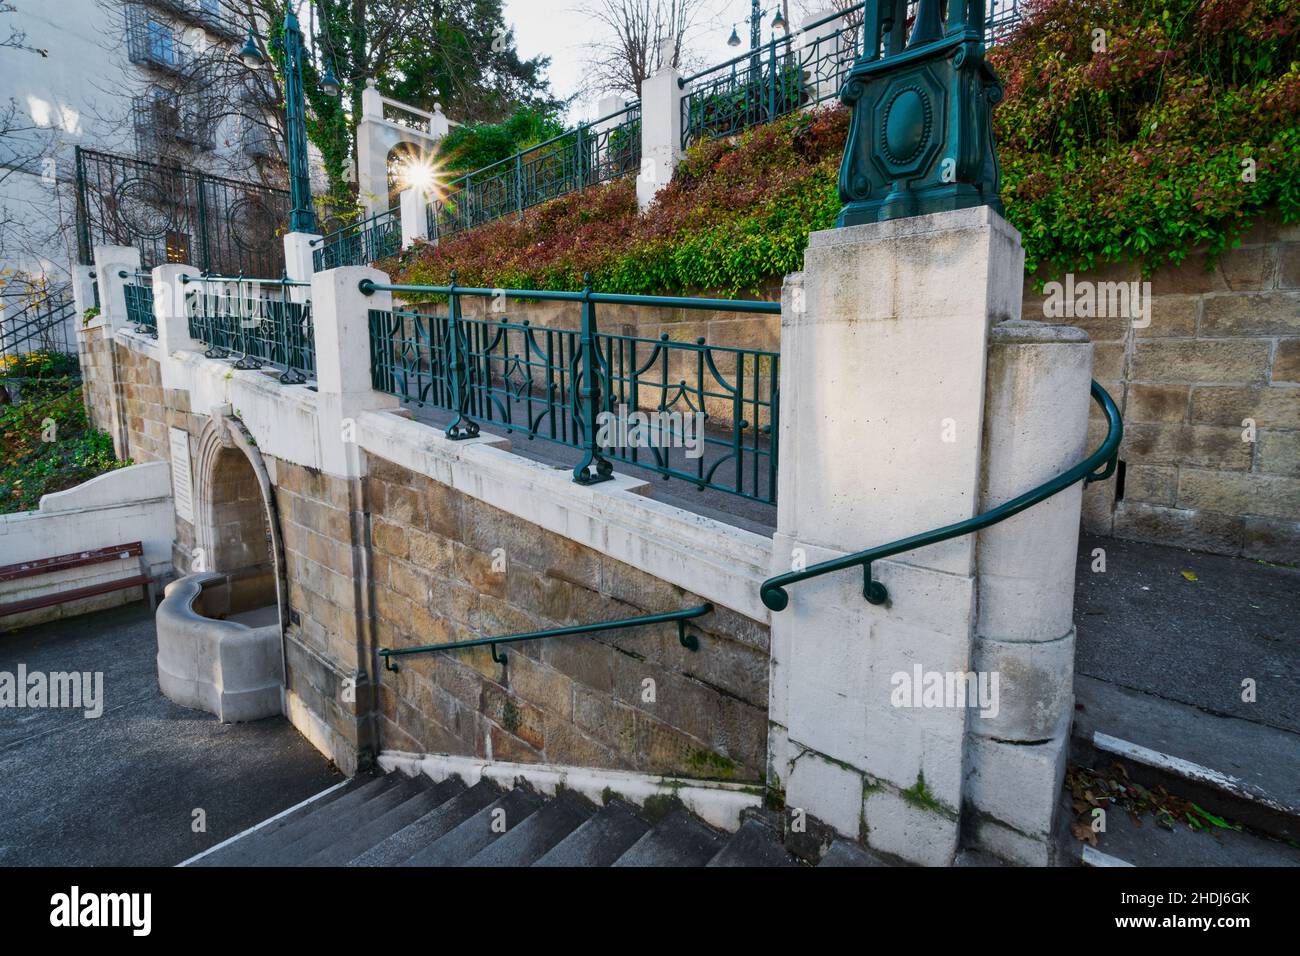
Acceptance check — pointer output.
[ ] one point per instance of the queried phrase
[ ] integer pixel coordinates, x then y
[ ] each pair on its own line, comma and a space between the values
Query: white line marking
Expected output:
1093, 857
266, 822
1154, 758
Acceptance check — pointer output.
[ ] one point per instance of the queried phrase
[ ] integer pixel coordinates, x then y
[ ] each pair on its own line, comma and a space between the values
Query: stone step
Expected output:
227, 852
415, 836
844, 853
261, 848
525, 844
754, 844
1245, 771
428, 796
1126, 844
342, 826
601, 840
679, 839
471, 836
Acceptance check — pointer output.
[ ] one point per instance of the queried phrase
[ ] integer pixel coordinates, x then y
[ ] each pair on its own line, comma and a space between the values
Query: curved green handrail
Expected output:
773, 590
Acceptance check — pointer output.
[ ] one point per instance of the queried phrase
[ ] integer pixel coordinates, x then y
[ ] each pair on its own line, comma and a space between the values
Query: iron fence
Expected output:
701, 413
360, 243
791, 72
1003, 15
41, 325
595, 152
139, 302
258, 322
178, 215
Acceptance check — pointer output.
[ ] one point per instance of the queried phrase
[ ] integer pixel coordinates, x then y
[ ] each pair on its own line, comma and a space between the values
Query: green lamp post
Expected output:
921, 137
302, 218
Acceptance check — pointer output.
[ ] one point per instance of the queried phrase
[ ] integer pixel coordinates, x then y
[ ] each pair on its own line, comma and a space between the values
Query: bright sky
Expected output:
561, 30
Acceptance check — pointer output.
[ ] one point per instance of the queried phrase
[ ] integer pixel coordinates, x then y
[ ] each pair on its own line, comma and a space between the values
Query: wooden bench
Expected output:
79, 559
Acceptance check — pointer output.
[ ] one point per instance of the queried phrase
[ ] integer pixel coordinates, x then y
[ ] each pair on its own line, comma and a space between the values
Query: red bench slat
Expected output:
78, 559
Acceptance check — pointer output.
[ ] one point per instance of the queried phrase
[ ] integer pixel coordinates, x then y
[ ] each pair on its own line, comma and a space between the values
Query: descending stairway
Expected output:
393, 820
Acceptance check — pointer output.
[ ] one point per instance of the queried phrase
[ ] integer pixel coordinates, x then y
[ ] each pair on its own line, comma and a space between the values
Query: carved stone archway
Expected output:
232, 486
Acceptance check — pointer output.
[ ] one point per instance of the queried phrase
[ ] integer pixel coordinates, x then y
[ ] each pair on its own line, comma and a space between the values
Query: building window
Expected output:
178, 247
162, 47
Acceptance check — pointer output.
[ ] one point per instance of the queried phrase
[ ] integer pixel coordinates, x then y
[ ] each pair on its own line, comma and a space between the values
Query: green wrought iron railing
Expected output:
776, 597
687, 640
139, 302
594, 152
41, 325
704, 414
174, 214
789, 73
360, 243
255, 321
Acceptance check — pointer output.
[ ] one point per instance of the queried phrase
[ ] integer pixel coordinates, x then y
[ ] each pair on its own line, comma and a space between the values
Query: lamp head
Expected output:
329, 83
250, 54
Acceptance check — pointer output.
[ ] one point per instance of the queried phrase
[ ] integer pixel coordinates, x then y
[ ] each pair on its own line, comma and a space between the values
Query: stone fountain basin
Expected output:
219, 645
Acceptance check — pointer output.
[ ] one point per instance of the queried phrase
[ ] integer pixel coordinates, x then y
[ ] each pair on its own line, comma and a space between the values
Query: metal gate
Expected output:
179, 215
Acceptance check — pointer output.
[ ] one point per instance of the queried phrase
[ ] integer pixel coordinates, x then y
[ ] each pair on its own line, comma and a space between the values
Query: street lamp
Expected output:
250, 54
755, 26
302, 218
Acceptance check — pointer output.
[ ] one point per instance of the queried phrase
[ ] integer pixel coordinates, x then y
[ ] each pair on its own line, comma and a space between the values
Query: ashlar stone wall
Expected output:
448, 567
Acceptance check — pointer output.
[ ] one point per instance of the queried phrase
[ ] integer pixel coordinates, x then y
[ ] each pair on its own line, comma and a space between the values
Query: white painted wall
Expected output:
61, 95
130, 504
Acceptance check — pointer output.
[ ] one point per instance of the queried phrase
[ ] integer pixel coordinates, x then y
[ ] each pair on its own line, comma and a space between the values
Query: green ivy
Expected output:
32, 466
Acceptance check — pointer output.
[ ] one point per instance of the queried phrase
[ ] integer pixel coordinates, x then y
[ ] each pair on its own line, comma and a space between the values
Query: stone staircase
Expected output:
394, 820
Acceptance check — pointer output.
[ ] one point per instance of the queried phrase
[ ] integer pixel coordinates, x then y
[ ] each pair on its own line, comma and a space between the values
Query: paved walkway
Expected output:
121, 789
1190, 627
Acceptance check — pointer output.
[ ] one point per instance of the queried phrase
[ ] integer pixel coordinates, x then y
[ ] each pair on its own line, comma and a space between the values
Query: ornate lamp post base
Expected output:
921, 138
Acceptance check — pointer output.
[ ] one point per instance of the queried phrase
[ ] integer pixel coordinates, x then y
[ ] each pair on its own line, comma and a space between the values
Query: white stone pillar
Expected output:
1036, 425
169, 291
299, 248
661, 129
340, 313
372, 152
883, 345
109, 261
83, 290
415, 223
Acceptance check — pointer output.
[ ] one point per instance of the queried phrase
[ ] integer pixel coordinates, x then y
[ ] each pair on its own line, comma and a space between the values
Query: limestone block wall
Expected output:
95, 351
325, 636
634, 700
1222, 351
144, 413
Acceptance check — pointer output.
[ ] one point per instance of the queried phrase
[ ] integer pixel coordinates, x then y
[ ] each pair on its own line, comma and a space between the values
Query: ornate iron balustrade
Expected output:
39, 326
1003, 16
139, 302
792, 72
1098, 466
178, 215
255, 321
700, 413
595, 152
360, 243
757, 87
